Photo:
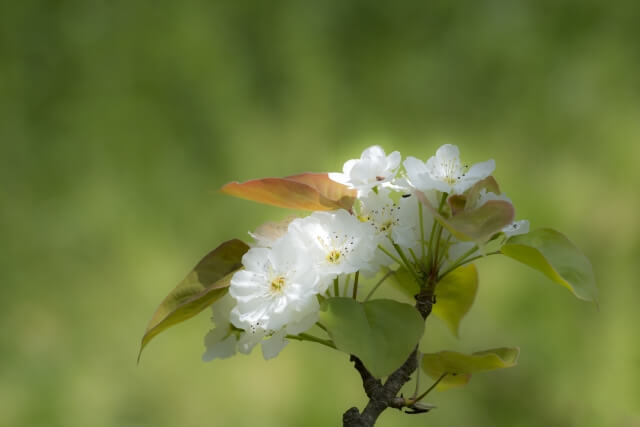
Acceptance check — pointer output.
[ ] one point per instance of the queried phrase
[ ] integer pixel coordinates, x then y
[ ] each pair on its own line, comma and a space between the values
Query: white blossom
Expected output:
389, 219
335, 242
277, 287
444, 171
373, 168
224, 341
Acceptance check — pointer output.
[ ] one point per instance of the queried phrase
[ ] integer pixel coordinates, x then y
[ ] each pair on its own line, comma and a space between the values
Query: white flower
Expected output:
516, 227
373, 168
223, 341
277, 287
275, 340
335, 242
444, 171
390, 219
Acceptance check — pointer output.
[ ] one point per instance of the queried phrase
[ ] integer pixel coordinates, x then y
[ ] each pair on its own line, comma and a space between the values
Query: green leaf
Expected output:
459, 367
476, 225
455, 294
551, 253
309, 191
205, 284
382, 333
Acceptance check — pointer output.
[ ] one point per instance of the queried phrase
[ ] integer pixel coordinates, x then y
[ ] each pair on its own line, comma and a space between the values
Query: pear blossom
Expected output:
444, 171
397, 220
373, 168
276, 287
335, 242
223, 341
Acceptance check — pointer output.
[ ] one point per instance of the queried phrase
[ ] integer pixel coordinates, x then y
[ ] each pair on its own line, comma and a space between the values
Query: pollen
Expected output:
334, 257
386, 226
277, 284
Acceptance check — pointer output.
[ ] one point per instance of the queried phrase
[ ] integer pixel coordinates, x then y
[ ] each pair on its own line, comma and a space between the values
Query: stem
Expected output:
377, 285
406, 263
413, 255
355, 284
336, 287
442, 254
421, 227
433, 229
415, 392
467, 261
389, 254
308, 337
458, 261
419, 398
346, 285
437, 248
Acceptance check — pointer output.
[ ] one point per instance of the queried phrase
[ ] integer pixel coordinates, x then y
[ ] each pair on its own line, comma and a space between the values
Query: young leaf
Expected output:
458, 367
458, 202
382, 333
455, 294
309, 191
206, 283
476, 225
551, 253
489, 184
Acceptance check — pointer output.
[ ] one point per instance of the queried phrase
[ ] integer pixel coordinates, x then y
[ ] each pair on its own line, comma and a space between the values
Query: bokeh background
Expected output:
119, 121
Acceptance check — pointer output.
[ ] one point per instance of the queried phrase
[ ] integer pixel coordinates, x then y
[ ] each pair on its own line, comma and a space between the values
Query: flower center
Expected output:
277, 284
334, 257
386, 226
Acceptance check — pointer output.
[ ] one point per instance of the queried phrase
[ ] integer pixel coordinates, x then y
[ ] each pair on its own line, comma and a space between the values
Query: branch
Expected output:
383, 396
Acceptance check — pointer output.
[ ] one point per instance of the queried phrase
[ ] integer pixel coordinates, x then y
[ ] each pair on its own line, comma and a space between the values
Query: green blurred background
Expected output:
119, 120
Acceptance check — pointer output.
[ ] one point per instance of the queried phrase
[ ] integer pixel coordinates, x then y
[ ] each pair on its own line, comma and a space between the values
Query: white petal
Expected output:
448, 152
254, 259
373, 152
219, 349
419, 176
516, 228
414, 167
478, 172
272, 346
249, 340
339, 177
481, 170
393, 161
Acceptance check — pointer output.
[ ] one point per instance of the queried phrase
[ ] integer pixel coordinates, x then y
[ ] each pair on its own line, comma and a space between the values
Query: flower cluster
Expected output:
294, 263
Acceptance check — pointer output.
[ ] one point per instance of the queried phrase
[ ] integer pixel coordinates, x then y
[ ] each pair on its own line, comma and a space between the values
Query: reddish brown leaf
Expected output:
309, 191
